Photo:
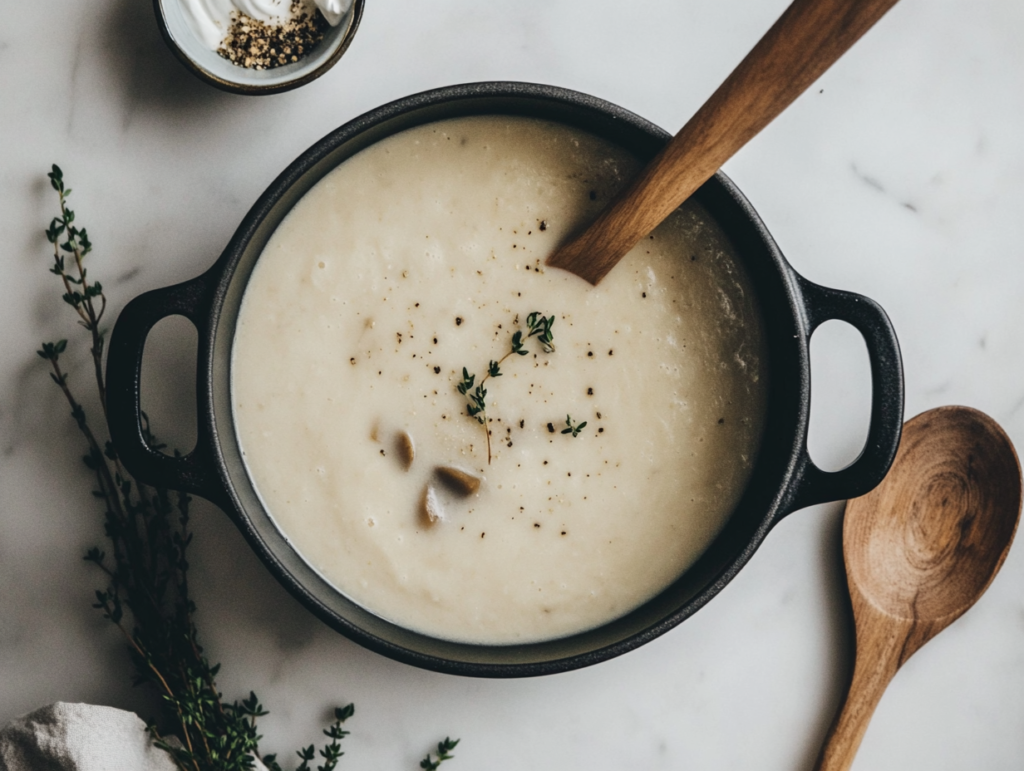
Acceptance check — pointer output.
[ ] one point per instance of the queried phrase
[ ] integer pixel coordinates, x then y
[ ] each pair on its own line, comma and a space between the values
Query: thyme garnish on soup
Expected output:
538, 326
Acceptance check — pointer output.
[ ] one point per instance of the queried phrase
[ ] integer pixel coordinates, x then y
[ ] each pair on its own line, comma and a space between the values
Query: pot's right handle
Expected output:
867, 317
195, 472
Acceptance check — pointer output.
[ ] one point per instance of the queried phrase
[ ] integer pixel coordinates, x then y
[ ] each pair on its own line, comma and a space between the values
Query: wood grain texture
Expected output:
806, 40
920, 549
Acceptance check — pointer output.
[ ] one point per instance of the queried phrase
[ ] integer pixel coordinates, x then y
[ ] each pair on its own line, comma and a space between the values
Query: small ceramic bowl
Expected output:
218, 71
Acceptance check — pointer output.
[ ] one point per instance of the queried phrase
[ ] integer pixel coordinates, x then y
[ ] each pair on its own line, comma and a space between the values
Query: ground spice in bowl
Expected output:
260, 46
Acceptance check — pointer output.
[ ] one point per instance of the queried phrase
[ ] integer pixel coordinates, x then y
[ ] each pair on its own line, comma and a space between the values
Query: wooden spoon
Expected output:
806, 40
920, 549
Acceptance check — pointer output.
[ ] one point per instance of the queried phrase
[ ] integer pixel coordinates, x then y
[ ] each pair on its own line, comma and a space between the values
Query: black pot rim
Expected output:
801, 306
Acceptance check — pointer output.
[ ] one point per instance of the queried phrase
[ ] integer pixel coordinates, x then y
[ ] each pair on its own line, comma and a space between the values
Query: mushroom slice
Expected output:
405, 449
457, 480
430, 506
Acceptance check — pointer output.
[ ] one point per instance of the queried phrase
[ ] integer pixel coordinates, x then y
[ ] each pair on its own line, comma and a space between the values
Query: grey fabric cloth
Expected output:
80, 737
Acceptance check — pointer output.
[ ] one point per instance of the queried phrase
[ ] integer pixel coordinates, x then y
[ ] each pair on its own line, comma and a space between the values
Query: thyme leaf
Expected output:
573, 428
444, 750
541, 327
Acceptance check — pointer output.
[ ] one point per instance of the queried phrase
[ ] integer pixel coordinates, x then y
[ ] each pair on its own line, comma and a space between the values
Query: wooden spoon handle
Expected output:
845, 736
881, 650
805, 41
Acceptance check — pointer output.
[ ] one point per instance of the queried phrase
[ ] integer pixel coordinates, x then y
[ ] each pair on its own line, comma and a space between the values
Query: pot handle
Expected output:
867, 317
196, 471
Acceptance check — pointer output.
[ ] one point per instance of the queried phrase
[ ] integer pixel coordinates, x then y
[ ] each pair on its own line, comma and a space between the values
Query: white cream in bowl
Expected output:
423, 255
210, 20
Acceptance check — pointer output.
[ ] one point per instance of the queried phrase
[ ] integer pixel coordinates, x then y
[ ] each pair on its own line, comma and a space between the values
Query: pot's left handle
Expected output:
885, 427
195, 472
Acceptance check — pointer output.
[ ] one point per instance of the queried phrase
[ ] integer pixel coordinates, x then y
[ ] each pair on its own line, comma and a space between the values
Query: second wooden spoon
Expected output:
920, 549
806, 40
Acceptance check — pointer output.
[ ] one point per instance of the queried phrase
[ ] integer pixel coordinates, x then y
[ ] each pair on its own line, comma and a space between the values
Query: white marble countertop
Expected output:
900, 175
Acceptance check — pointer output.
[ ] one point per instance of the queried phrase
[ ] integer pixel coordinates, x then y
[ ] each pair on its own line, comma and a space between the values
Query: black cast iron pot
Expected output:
784, 478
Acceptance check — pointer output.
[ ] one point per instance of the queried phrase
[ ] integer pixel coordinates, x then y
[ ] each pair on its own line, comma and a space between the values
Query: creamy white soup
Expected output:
596, 468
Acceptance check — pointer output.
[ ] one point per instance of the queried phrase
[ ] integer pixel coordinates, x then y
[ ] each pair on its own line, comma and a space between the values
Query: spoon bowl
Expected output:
920, 549
927, 542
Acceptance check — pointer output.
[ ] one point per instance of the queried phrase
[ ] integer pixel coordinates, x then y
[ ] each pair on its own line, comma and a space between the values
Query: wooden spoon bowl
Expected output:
920, 549
926, 542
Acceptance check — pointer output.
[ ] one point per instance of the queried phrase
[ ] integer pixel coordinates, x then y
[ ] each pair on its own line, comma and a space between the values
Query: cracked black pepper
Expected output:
261, 46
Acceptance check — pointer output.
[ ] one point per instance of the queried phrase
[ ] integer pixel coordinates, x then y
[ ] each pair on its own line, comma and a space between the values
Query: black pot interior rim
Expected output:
224, 271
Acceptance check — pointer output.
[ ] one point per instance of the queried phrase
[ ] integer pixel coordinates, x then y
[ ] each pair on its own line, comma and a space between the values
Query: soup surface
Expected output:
602, 463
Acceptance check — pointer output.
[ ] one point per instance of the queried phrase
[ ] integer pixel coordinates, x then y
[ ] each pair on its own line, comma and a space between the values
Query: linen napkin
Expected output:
81, 737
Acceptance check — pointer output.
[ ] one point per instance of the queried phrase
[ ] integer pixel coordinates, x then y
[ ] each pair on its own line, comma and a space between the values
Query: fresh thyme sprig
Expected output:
331, 752
538, 326
78, 292
573, 428
147, 569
